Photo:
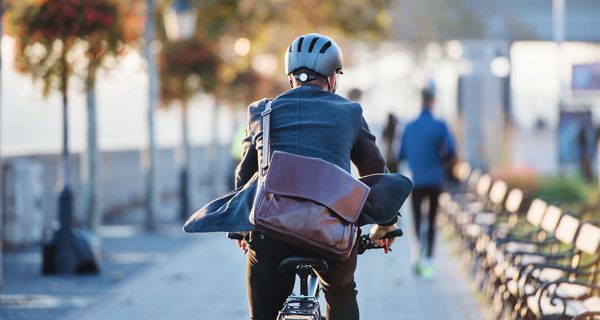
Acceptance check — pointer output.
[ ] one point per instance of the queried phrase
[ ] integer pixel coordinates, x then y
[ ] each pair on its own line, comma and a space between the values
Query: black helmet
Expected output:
315, 52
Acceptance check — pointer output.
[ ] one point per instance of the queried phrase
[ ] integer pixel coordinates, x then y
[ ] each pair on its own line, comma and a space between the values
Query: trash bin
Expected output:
22, 194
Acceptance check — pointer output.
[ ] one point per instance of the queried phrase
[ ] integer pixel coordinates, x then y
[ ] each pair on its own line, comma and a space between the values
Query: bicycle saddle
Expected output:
290, 264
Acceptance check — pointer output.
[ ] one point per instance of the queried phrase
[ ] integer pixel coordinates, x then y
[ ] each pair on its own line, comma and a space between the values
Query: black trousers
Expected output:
268, 289
418, 195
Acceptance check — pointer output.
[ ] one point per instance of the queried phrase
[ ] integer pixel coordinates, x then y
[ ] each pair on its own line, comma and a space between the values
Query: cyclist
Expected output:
309, 119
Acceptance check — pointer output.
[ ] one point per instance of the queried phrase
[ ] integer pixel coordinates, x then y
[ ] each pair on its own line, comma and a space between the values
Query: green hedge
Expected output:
566, 190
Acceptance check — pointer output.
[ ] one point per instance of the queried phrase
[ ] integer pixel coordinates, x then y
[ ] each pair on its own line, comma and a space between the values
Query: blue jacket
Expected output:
311, 122
426, 144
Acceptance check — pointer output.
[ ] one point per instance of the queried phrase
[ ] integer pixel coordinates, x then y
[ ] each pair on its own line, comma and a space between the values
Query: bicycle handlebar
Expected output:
235, 236
364, 242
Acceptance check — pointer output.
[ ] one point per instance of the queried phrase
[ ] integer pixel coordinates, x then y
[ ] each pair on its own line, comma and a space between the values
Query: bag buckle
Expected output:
266, 112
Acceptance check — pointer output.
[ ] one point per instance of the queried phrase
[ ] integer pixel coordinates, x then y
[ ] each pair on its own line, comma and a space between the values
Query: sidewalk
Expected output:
172, 275
206, 281
126, 252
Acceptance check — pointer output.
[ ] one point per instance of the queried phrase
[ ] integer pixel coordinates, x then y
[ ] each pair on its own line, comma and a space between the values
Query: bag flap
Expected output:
317, 180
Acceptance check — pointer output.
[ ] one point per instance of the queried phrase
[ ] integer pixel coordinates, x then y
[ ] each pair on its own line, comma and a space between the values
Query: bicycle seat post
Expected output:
303, 271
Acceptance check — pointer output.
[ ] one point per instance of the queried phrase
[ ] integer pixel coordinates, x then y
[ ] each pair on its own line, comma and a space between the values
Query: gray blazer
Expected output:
311, 122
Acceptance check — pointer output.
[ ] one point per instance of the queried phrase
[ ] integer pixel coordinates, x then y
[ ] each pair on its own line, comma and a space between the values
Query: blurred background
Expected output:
153, 95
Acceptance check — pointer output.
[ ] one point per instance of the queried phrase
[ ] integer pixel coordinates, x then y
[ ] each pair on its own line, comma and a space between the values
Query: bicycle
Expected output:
305, 305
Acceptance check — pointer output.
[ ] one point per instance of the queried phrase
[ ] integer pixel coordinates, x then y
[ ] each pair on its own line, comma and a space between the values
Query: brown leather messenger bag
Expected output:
306, 201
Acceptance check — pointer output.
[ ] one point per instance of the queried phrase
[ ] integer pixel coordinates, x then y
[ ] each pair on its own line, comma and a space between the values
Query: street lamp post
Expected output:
69, 250
150, 156
558, 35
180, 20
1, 167
180, 25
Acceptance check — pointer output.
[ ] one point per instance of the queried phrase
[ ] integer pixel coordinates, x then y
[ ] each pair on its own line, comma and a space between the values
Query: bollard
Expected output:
69, 250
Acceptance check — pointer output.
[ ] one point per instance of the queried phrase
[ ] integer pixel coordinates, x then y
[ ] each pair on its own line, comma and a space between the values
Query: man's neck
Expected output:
324, 88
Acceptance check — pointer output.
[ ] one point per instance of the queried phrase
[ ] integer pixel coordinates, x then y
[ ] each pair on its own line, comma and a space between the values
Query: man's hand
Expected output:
242, 244
377, 232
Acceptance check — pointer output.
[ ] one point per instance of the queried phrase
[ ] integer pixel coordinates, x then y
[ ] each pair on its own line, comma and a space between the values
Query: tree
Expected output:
220, 23
128, 34
56, 39
262, 25
186, 68
150, 156
271, 25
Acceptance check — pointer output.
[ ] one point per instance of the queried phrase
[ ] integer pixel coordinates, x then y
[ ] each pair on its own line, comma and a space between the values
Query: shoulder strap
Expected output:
266, 122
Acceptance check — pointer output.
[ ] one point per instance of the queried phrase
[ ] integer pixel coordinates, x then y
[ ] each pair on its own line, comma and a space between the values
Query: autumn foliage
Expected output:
58, 38
187, 67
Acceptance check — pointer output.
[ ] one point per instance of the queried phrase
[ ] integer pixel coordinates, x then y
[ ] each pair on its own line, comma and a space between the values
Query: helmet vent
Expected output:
300, 44
312, 44
325, 47
290, 48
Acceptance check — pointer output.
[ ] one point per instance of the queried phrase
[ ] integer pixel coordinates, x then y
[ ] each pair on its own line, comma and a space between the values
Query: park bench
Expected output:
466, 206
518, 281
591, 315
574, 291
507, 241
466, 198
497, 228
525, 262
480, 225
465, 190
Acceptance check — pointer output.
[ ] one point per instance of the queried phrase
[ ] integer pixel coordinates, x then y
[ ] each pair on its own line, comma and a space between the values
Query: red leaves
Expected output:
181, 60
68, 18
48, 34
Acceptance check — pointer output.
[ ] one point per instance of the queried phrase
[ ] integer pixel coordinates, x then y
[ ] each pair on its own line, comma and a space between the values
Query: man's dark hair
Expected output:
313, 77
427, 97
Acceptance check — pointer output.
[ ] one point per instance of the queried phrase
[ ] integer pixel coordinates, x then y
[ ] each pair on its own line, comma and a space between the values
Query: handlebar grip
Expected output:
235, 236
393, 234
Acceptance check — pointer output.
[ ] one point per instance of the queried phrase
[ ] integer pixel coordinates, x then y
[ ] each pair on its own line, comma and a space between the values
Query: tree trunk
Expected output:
185, 163
150, 156
216, 171
1, 166
66, 208
93, 203
67, 251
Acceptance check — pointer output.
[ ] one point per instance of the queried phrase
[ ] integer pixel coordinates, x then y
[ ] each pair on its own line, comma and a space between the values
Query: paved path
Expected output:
206, 281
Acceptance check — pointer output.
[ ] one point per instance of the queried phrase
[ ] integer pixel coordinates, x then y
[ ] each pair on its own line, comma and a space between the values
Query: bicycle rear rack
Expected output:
300, 308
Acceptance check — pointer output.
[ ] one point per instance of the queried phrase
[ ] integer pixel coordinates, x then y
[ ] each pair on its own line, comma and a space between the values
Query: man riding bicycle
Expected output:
310, 120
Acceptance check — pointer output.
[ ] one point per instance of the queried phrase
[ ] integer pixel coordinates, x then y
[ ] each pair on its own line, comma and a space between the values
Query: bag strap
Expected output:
266, 122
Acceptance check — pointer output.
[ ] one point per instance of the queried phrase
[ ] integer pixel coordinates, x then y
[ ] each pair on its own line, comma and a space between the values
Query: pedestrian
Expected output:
235, 152
389, 142
309, 120
427, 145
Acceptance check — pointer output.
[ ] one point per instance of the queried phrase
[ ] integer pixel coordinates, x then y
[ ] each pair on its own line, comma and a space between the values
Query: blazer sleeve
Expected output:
448, 149
365, 154
402, 152
249, 162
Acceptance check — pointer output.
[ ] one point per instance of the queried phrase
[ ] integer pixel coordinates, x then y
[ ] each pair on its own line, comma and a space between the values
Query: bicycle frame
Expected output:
306, 305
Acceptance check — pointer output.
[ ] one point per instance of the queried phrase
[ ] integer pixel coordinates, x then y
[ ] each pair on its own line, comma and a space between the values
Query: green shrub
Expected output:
564, 190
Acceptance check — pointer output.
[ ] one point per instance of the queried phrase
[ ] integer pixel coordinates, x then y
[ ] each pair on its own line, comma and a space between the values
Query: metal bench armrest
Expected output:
512, 257
550, 289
